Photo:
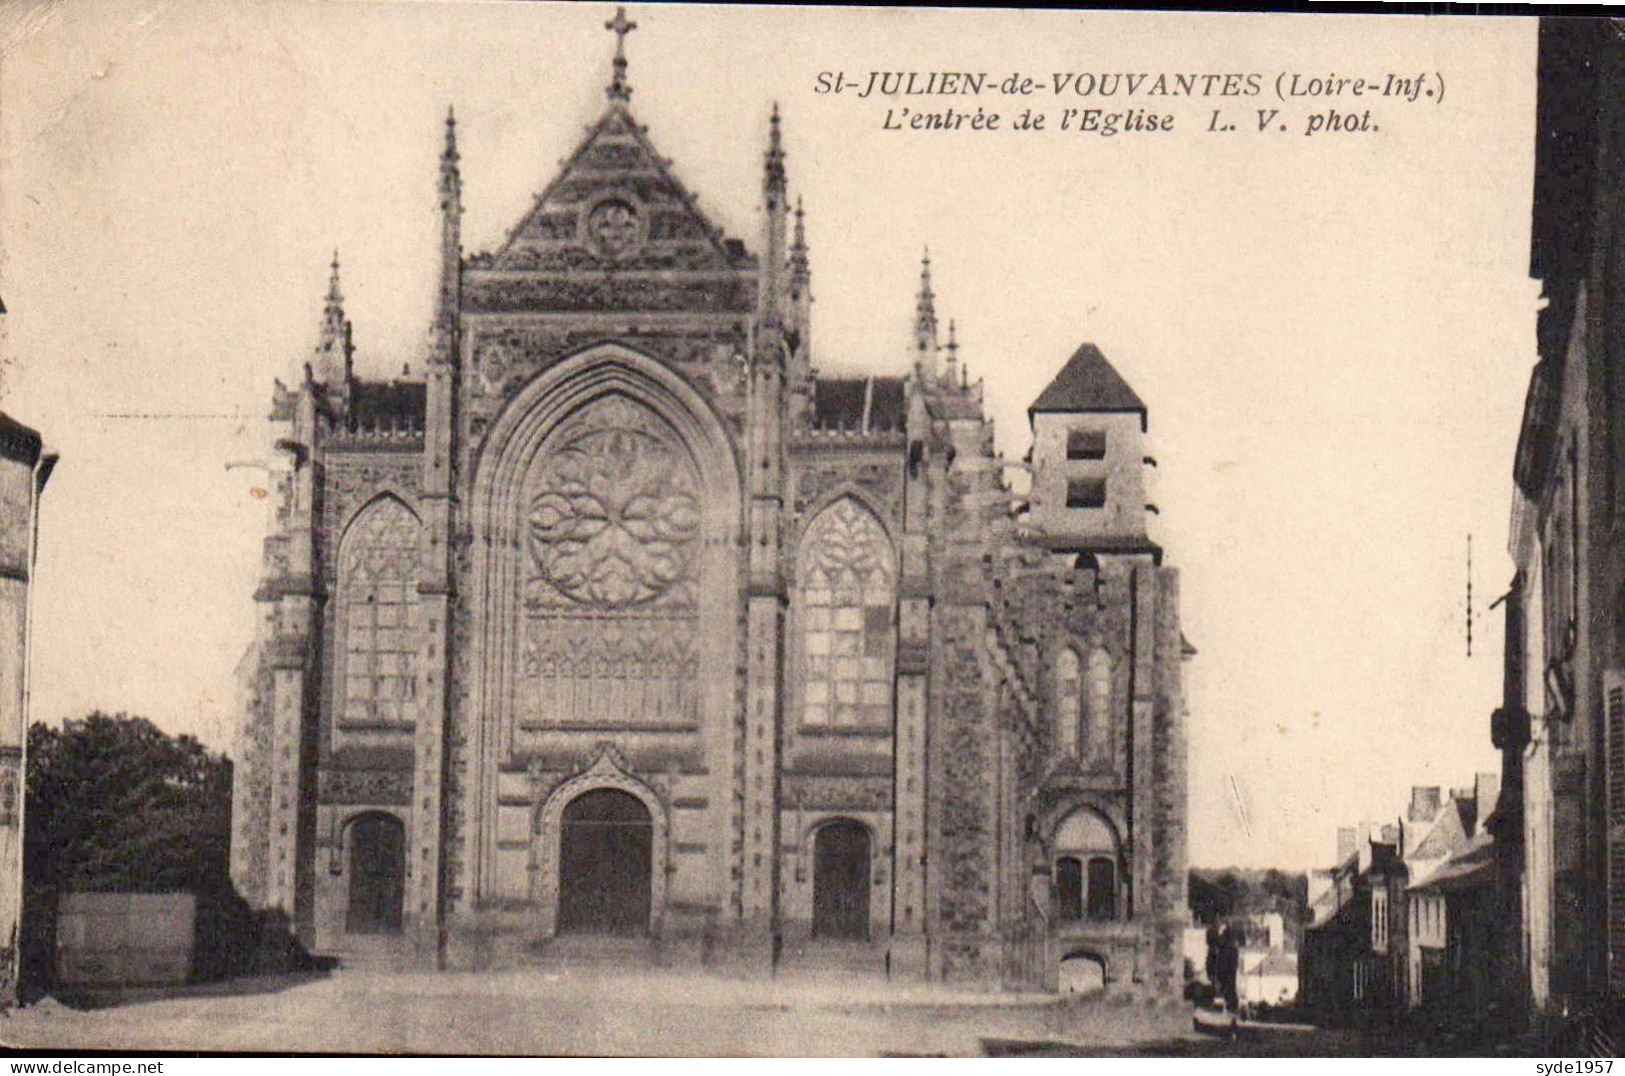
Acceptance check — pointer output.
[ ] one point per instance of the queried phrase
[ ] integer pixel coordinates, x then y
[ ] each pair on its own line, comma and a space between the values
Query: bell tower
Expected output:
1089, 461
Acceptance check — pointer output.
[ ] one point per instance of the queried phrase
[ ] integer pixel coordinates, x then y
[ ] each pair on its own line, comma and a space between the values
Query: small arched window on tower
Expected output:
1085, 865
1069, 888
1097, 705
1068, 701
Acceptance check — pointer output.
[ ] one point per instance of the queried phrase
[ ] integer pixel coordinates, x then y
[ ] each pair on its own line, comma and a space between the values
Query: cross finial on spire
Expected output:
618, 89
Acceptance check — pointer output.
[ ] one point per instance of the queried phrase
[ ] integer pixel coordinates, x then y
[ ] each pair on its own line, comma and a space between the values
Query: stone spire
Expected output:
451, 251
333, 312
951, 367
451, 181
772, 288
800, 312
331, 364
925, 321
618, 90
800, 271
773, 178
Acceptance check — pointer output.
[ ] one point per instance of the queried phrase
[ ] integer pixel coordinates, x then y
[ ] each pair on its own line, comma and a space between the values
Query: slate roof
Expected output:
1088, 382
1471, 867
388, 404
18, 442
840, 403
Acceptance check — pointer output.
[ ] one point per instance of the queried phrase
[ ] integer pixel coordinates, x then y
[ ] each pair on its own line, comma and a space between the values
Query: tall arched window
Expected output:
1068, 701
847, 593
1085, 866
378, 600
1098, 704
1069, 888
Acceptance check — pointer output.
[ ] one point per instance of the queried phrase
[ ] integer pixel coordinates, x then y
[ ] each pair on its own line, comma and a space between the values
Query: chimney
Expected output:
1345, 844
1362, 844
1424, 804
1487, 790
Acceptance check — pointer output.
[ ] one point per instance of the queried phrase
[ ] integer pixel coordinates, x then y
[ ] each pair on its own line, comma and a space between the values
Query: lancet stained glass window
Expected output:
847, 595
379, 594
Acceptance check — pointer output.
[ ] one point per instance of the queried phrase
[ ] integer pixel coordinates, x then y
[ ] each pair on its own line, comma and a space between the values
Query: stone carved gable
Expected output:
611, 603
615, 206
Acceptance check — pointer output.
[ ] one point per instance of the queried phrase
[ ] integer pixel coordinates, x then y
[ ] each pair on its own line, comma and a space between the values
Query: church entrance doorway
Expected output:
377, 875
606, 860
841, 880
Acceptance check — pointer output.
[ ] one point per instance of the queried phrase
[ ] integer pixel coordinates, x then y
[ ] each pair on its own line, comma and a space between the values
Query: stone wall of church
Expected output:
369, 540
839, 694
964, 755
1113, 745
613, 251
1170, 878
617, 629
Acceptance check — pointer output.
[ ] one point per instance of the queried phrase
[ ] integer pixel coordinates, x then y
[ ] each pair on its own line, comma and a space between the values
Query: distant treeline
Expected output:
1235, 892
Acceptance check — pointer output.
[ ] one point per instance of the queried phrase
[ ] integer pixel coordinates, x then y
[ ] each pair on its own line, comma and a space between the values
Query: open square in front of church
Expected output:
584, 1011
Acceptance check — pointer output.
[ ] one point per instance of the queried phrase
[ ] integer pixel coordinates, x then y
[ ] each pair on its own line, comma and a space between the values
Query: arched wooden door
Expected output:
841, 880
377, 874
606, 861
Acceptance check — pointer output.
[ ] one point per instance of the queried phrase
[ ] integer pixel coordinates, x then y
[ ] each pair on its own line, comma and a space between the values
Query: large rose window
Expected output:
614, 515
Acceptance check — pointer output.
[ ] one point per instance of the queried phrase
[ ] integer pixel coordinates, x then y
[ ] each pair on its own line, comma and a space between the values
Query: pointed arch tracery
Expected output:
847, 594
378, 617
604, 510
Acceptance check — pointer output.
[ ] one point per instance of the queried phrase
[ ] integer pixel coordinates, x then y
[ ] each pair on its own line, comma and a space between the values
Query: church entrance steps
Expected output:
835, 958
371, 952
594, 950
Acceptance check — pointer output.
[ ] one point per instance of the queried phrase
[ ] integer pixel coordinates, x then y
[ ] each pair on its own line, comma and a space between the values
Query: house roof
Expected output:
1471, 867
1088, 383
1447, 834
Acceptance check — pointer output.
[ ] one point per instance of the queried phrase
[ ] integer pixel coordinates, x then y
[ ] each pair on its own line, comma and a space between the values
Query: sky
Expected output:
1333, 333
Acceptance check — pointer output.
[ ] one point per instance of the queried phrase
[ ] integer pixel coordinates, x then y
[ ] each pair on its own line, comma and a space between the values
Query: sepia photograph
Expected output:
688, 530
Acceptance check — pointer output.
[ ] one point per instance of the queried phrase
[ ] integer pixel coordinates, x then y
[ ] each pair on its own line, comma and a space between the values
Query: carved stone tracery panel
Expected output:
612, 534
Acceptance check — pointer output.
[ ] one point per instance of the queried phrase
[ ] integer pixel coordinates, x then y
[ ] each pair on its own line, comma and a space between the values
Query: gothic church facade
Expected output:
624, 620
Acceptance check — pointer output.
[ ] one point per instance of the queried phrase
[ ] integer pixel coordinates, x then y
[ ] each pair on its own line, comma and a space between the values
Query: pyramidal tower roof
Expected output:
1088, 383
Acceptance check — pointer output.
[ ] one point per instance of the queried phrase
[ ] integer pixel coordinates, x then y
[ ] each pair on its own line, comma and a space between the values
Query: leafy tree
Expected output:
116, 804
